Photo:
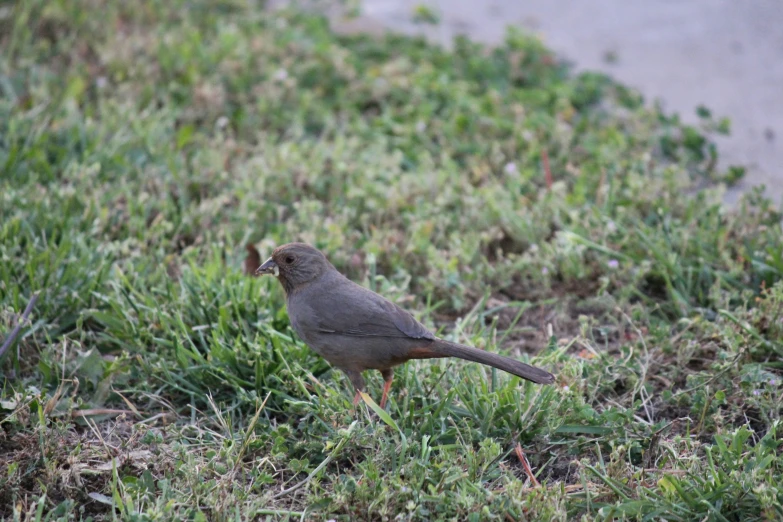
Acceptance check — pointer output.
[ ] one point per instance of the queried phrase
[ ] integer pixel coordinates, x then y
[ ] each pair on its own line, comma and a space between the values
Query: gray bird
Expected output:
356, 329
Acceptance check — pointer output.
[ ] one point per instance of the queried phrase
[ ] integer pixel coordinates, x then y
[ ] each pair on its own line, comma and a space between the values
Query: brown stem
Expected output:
18, 327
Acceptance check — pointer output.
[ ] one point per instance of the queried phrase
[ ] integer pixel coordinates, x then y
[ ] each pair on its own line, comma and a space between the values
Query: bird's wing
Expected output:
363, 313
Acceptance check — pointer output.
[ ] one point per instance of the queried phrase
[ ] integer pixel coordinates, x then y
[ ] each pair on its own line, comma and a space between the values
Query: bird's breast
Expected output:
304, 319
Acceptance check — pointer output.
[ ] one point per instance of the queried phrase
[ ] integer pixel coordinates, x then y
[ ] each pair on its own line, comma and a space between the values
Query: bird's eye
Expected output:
289, 260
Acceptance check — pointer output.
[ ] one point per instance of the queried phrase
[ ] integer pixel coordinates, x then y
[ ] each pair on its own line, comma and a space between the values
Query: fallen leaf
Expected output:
253, 260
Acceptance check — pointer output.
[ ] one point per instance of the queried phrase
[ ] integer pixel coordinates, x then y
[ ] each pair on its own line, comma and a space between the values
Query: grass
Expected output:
507, 202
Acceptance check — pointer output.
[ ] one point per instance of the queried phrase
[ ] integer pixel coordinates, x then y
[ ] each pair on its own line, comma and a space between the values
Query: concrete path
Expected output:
724, 54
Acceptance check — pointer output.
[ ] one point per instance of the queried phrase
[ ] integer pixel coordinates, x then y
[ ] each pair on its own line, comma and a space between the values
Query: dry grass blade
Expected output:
25, 315
99, 411
526, 466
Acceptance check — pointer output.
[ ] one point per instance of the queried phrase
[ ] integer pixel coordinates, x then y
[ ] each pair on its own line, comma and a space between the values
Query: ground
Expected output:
506, 200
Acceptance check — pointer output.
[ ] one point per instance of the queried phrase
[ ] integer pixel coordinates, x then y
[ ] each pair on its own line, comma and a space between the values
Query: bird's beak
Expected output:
269, 267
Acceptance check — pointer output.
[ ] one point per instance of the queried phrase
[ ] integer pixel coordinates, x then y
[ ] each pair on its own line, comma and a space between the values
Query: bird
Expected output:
356, 329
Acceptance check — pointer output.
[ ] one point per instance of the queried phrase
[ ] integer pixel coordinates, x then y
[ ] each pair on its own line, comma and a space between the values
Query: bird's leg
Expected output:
358, 383
388, 375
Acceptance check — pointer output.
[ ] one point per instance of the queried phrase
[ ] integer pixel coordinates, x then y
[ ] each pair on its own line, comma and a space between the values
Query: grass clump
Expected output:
509, 203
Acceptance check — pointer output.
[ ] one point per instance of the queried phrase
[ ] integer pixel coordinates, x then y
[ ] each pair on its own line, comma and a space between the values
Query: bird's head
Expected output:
295, 264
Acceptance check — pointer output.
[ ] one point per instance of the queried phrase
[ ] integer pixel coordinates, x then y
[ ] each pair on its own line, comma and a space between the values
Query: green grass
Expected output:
144, 144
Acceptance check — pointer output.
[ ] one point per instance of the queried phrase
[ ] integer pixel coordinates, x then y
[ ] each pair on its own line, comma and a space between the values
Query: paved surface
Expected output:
724, 54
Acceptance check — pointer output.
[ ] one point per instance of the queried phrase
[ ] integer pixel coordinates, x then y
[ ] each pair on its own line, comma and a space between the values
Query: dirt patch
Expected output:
70, 462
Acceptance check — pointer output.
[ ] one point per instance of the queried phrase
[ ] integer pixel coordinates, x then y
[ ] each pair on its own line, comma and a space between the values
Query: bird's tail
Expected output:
441, 348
